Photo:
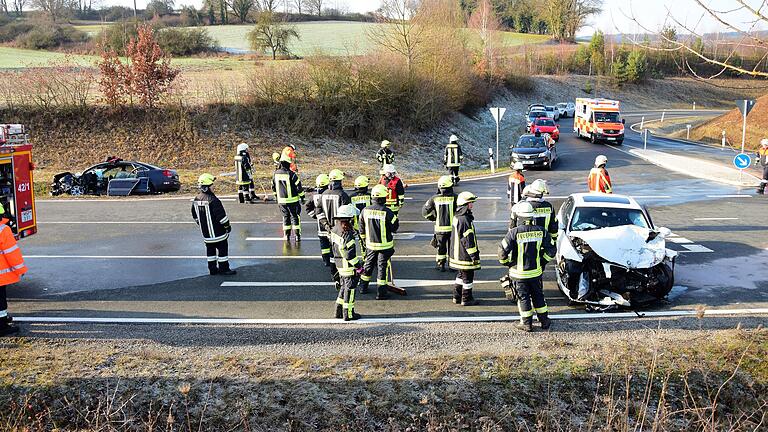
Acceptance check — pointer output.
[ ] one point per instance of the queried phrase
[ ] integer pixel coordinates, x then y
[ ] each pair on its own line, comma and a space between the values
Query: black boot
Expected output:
297, 235
241, 197
224, 269
327, 260
212, 268
339, 311
546, 323
467, 299
457, 294
363, 287
381, 293
351, 315
440, 266
8, 329
287, 235
525, 325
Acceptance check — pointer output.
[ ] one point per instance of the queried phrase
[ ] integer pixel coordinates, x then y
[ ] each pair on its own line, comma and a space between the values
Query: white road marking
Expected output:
679, 240
715, 218
695, 248
232, 257
403, 283
413, 320
398, 236
730, 196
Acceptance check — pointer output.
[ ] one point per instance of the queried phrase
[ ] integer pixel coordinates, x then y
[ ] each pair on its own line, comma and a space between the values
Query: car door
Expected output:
563, 222
126, 181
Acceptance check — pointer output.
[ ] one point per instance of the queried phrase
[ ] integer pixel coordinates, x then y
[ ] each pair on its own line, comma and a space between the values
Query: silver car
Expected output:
552, 112
566, 109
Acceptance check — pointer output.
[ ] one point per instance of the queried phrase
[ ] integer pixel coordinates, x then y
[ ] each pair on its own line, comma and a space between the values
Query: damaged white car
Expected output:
610, 255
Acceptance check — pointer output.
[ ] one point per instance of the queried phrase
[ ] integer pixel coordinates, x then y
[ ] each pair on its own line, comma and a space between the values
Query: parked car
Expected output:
566, 109
553, 112
609, 253
534, 151
533, 115
116, 177
535, 107
545, 125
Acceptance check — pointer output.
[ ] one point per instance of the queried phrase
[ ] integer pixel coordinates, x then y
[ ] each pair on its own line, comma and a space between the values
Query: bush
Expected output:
117, 36
13, 29
184, 42
50, 37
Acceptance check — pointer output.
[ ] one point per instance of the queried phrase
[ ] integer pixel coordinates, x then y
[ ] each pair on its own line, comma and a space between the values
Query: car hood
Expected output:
528, 150
625, 245
546, 129
616, 126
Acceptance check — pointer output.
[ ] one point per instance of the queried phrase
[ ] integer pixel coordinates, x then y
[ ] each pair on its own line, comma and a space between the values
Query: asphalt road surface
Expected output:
145, 259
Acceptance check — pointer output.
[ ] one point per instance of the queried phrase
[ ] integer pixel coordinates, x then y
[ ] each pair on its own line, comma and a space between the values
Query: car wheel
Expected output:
592, 138
620, 142
152, 189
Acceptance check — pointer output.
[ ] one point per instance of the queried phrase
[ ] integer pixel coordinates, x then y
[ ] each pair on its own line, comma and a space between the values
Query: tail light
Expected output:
168, 173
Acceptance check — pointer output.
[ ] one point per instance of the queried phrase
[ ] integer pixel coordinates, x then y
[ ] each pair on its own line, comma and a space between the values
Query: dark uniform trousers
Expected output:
454, 173
764, 182
219, 249
531, 297
380, 261
467, 279
441, 241
291, 217
346, 298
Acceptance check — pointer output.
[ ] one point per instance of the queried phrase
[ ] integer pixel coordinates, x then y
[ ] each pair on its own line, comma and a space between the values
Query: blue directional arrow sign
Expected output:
742, 161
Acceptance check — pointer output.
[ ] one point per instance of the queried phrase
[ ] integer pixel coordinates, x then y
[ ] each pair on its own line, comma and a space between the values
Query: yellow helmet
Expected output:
445, 182
362, 182
276, 157
466, 198
385, 144
379, 191
336, 174
322, 180
285, 157
206, 179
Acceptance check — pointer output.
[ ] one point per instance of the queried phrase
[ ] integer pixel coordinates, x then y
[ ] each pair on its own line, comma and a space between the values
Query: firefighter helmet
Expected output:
322, 180
523, 209
242, 147
206, 179
445, 182
275, 157
517, 166
336, 175
379, 191
538, 188
362, 182
385, 144
346, 211
466, 197
285, 157
764, 142
601, 160
453, 139
389, 169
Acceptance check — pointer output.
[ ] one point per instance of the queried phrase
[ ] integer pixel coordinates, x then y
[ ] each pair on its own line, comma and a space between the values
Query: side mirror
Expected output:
665, 232
623, 121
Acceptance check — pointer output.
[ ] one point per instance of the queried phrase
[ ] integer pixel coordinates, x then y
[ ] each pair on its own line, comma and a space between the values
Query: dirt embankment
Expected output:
732, 124
196, 139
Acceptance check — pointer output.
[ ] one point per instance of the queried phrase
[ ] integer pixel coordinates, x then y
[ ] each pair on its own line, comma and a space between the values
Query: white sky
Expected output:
652, 14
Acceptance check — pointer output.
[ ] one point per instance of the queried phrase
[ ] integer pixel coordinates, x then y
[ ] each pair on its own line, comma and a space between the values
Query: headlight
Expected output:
544, 154
599, 130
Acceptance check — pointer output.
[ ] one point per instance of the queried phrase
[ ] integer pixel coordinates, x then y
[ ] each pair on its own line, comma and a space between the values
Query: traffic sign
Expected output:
745, 105
498, 113
742, 161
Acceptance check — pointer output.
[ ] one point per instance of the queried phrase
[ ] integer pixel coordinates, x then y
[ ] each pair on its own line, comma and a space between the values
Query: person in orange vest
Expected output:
762, 160
395, 188
289, 152
599, 180
516, 184
11, 269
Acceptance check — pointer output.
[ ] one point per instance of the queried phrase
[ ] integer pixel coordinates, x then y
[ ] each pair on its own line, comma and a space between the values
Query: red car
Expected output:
546, 125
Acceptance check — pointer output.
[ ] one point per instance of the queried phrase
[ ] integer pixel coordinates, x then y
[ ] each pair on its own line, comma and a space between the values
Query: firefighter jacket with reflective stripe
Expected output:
243, 168
762, 156
314, 209
395, 194
385, 156
12, 263
545, 216
378, 224
345, 251
290, 153
453, 156
287, 185
361, 198
330, 201
515, 187
525, 249
599, 180
210, 215
464, 253
440, 209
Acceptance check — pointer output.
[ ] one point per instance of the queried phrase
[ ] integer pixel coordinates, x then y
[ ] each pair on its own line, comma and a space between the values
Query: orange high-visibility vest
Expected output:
599, 181
290, 153
12, 263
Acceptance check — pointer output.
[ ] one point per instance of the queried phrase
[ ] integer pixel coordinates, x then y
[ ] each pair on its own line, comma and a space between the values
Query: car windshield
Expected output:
530, 141
589, 218
550, 108
607, 117
544, 122
537, 114
562, 105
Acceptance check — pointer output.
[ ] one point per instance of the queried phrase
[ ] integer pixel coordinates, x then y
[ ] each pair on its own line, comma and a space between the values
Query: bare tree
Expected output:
316, 6
566, 17
268, 5
486, 24
4, 7
55, 9
18, 6
297, 4
271, 34
242, 8
396, 31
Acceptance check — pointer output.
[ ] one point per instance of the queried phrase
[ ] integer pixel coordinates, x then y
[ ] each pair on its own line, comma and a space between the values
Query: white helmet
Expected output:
389, 169
601, 160
465, 197
764, 142
347, 211
385, 143
517, 166
523, 209
538, 187
453, 139
242, 147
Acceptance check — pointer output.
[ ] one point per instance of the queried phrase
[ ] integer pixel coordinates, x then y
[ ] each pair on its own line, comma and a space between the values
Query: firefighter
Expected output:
209, 214
361, 198
516, 184
385, 156
762, 160
378, 224
545, 211
288, 191
321, 184
12, 268
276, 159
525, 250
599, 180
333, 198
348, 263
464, 254
244, 173
452, 158
440, 209
289, 153
395, 188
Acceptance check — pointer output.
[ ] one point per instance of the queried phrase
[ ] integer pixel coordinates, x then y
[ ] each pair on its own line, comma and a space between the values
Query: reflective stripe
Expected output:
211, 259
542, 310
325, 251
351, 304
223, 259
10, 249
365, 278
3, 313
225, 220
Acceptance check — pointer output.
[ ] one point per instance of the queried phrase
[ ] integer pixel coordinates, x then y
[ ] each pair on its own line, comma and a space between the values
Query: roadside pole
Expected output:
490, 154
745, 106
688, 133
723, 139
642, 120
694, 105
645, 139
497, 114
662, 116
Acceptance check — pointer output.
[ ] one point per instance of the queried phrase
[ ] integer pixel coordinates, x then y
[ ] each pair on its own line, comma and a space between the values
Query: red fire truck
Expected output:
17, 192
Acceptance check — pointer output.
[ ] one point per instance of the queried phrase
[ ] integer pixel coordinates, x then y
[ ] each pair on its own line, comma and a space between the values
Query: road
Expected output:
143, 259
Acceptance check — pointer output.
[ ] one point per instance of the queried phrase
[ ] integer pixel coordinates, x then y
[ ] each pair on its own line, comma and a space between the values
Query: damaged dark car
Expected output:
609, 254
116, 177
